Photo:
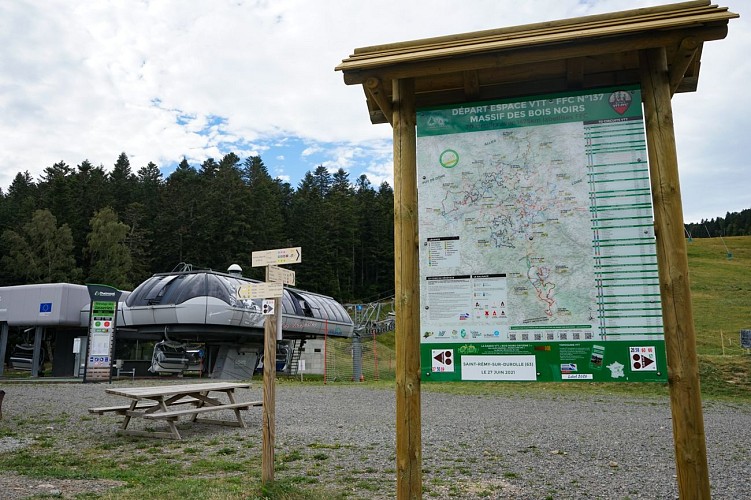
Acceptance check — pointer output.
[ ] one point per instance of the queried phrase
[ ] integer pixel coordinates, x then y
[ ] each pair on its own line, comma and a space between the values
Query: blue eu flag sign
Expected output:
45, 308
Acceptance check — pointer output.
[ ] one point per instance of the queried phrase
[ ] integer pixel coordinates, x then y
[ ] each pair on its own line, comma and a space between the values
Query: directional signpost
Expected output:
277, 257
260, 290
276, 277
281, 275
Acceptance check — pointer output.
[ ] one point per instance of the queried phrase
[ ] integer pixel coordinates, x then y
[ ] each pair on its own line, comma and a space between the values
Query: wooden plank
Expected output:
577, 35
408, 417
561, 25
170, 390
672, 260
203, 409
119, 409
141, 405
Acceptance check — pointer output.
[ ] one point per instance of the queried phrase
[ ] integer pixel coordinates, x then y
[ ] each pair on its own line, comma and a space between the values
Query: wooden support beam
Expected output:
268, 417
672, 260
374, 87
471, 85
37, 353
681, 61
4, 328
406, 270
575, 73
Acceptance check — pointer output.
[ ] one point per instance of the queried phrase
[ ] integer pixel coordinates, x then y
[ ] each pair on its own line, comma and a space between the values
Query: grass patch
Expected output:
210, 477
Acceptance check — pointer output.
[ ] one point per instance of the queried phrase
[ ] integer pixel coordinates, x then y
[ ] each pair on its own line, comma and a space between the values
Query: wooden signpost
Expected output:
658, 48
271, 332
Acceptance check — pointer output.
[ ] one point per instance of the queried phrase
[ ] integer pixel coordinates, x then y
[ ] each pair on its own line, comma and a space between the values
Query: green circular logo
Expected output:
449, 158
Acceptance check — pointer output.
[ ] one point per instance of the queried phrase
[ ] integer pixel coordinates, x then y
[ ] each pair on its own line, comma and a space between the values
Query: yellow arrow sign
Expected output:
260, 290
282, 275
277, 257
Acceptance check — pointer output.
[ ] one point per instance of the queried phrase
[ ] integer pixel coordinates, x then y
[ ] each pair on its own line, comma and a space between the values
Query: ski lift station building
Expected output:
198, 310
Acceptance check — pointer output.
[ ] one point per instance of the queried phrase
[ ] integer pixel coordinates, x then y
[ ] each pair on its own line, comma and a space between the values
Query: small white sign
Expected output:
643, 359
301, 365
442, 360
267, 307
521, 367
282, 275
577, 376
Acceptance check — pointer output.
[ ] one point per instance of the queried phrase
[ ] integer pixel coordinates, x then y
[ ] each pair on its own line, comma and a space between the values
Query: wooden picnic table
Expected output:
159, 403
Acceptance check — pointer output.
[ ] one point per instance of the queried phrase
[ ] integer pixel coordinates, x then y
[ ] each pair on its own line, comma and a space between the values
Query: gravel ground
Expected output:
528, 446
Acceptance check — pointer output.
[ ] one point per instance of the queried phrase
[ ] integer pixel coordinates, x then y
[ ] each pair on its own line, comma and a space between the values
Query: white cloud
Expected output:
90, 79
311, 150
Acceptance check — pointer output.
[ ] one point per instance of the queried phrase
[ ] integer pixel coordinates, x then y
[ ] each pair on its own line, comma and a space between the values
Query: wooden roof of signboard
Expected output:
578, 53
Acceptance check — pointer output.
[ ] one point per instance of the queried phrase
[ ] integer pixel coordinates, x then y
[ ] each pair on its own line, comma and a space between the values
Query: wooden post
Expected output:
37, 360
406, 267
269, 396
672, 260
3, 344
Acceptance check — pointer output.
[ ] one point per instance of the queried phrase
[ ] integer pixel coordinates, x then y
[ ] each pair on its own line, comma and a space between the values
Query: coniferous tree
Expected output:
91, 191
343, 231
175, 240
265, 208
384, 239
56, 192
365, 200
145, 209
308, 218
122, 183
21, 201
322, 180
138, 241
222, 215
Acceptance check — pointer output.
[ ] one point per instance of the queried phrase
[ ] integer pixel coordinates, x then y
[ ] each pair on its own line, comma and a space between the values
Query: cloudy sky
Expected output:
167, 79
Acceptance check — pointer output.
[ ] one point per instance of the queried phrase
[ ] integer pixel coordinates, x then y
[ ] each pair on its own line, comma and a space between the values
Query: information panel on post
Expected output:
102, 322
537, 245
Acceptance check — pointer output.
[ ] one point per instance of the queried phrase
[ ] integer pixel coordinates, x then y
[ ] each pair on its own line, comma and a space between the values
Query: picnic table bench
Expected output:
160, 402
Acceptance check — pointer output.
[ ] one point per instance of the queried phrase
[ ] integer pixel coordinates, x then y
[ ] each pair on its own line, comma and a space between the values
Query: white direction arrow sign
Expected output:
267, 308
282, 275
260, 290
277, 257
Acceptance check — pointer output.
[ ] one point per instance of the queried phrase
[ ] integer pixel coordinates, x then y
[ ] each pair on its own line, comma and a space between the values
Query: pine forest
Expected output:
84, 224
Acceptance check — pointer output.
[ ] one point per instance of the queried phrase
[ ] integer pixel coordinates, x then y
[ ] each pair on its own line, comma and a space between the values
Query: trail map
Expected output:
537, 257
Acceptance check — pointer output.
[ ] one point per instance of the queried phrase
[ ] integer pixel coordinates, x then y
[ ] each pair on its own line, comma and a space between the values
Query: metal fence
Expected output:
358, 359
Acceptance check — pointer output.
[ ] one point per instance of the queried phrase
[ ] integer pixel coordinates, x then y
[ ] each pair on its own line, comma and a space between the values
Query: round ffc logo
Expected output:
620, 101
449, 158
443, 360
